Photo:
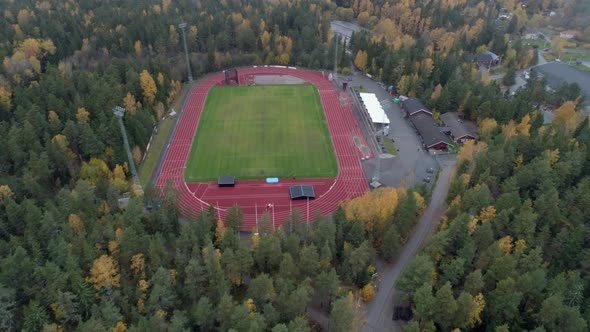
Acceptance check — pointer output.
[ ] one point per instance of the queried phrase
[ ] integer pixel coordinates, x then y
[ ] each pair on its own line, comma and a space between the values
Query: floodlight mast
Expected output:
120, 113
336, 55
182, 27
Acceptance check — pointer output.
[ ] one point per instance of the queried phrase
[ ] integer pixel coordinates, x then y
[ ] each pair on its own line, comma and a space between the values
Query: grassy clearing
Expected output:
253, 132
390, 146
164, 127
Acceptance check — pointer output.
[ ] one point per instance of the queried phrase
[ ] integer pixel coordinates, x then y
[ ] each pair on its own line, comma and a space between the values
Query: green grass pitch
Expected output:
254, 132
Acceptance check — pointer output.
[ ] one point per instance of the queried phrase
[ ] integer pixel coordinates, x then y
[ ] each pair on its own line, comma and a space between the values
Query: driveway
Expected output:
379, 312
412, 161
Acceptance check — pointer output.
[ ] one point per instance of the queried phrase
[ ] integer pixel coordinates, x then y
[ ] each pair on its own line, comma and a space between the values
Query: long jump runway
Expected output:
255, 196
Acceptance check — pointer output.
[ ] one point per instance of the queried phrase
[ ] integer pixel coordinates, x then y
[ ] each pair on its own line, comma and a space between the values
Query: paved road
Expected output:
379, 312
559, 72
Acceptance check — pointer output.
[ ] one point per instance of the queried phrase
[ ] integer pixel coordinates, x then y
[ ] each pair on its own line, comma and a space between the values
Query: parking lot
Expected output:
413, 164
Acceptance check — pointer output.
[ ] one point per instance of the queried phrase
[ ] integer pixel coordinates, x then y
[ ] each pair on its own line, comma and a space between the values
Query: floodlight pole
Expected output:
182, 26
256, 208
273, 217
120, 113
336, 55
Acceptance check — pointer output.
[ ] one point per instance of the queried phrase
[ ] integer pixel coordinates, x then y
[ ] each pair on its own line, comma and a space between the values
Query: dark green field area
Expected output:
254, 132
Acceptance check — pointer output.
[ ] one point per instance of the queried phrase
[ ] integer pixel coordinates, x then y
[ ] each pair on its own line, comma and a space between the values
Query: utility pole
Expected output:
335, 56
120, 113
182, 26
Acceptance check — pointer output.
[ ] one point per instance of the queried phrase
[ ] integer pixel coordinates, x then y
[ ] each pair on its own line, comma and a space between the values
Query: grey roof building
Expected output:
460, 129
432, 137
413, 106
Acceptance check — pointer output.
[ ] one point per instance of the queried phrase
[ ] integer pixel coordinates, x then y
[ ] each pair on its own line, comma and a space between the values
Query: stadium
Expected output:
269, 139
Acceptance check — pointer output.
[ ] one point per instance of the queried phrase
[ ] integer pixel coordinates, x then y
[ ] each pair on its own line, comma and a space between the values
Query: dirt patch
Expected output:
277, 80
358, 142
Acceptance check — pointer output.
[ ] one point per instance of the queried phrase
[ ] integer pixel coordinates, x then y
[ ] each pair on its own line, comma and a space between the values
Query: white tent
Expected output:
374, 108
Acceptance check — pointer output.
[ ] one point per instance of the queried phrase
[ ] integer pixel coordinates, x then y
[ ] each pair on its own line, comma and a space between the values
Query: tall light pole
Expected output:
120, 113
182, 26
336, 55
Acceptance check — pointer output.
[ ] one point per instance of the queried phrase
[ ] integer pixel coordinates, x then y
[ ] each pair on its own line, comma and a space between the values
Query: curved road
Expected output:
378, 314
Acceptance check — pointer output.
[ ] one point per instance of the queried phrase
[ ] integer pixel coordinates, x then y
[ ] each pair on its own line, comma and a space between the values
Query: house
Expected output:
459, 129
530, 35
414, 106
432, 137
569, 34
486, 59
504, 14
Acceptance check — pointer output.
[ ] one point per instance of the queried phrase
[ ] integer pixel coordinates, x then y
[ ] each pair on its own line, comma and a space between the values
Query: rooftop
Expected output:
459, 127
374, 108
412, 105
428, 129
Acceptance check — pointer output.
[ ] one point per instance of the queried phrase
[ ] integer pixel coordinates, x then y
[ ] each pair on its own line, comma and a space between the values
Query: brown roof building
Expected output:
432, 137
413, 106
460, 130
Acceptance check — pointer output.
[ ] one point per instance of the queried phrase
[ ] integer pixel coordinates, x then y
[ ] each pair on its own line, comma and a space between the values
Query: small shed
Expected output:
226, 181
302, 192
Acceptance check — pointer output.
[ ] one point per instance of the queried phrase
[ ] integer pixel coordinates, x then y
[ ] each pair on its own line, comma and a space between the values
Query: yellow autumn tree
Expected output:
219, 232
148, 86
553, 156
557, 45
5, 99
487, 125
76, 224
524, 126
566, 115
138, 47
360, 61
506, 244
130, 103
427, 66
94, 170
436, 92
138, 265
5, 192
26, 56
120, 327
520, 246
104, 273
475, 315
487, 213
470, 149
119, 178
166, 5
509, 129
403, 85
82, 115
373, 208
368, 292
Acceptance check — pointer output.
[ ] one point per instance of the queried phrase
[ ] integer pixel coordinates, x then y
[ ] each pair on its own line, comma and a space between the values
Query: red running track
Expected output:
254, 196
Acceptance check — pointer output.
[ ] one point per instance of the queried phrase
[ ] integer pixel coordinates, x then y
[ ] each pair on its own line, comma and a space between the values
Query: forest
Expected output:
72, 259
512, 250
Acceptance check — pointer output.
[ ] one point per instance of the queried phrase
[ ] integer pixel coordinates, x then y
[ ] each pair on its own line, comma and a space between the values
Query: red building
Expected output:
458, 128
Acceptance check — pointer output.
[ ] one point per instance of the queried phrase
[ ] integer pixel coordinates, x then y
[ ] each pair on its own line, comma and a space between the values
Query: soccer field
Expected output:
254, 132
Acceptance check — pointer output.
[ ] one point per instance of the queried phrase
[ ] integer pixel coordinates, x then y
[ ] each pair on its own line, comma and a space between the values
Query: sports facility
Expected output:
288, 124
254, 132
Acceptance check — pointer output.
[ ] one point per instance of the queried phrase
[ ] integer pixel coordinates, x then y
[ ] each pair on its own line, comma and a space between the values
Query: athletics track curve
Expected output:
254, 196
